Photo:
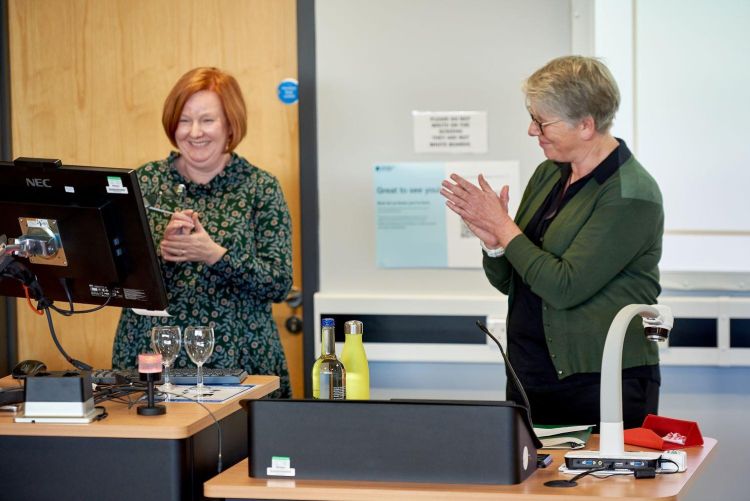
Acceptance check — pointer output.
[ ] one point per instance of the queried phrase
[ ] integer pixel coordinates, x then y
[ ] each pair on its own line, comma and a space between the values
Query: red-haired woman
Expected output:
226, 249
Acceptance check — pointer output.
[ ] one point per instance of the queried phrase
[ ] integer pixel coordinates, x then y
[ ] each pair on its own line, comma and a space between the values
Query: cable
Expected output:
64, 283
573, 481
218, 425
16, 270
28, 300
667, 472
104, 393
589, 472
72, 361
103, 414
72, 311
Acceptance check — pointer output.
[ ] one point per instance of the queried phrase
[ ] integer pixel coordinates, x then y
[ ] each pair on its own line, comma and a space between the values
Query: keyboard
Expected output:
180, 375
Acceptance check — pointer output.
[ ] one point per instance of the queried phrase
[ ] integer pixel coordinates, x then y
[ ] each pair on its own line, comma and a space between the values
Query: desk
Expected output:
235, 483
125, 456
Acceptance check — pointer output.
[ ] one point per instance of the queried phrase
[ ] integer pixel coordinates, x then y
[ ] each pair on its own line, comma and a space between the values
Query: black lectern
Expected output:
404, 440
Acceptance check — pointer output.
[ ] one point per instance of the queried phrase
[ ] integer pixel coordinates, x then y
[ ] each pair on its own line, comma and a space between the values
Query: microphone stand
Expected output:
516, 383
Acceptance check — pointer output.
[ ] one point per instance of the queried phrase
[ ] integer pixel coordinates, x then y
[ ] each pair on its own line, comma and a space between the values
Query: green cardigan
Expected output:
599, 254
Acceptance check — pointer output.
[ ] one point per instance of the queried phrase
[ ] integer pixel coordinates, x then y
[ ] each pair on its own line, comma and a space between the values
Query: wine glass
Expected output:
199, 344
166, 339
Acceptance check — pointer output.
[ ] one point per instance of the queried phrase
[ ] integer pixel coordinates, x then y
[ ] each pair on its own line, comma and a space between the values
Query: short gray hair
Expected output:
575, 87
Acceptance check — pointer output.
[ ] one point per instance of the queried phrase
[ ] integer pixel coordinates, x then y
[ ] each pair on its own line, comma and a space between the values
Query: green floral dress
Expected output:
243, 209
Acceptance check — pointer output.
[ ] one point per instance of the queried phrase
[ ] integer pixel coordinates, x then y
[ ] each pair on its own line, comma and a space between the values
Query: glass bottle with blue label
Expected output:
328, 370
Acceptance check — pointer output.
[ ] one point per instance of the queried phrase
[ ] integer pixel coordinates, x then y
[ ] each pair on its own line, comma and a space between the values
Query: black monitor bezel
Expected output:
51, 188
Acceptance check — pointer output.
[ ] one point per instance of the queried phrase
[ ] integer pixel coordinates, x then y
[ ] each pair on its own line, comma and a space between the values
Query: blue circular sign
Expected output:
288, 91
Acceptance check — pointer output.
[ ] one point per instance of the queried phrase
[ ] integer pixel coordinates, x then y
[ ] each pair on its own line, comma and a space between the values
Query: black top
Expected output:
527, 347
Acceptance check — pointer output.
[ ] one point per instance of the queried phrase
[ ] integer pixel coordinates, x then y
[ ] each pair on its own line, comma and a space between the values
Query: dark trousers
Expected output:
580, 405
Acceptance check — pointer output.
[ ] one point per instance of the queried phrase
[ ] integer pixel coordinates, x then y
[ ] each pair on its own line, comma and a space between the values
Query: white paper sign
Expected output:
450, 131
463, 249
415, 229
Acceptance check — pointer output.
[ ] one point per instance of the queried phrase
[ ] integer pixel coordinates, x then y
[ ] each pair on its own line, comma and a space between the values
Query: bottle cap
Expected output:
328, 322
353, 327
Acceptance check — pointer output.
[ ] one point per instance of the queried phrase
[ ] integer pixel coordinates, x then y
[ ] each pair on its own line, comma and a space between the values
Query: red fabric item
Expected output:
655, 427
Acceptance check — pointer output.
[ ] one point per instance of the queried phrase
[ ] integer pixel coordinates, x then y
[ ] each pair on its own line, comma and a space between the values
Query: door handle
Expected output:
293, 323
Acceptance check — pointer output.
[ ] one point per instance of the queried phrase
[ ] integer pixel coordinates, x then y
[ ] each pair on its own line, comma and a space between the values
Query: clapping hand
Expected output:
483, 210
185, 239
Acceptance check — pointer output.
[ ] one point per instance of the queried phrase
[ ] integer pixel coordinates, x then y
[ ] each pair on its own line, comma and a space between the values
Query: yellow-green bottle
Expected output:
355, 362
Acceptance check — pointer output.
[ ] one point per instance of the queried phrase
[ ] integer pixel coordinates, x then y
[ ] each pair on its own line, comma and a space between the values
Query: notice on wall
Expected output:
450, 131
415, 229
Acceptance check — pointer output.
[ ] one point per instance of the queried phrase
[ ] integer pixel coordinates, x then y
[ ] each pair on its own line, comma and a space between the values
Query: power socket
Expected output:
679, 457
496, 326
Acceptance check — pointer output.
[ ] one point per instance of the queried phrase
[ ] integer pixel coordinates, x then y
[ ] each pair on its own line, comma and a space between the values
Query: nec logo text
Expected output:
38, 182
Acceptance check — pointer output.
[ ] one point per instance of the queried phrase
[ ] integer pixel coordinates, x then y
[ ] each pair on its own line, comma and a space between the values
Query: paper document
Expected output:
216, 394
563, 437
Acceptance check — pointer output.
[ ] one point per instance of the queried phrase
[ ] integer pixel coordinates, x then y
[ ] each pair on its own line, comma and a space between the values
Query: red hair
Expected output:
215, 80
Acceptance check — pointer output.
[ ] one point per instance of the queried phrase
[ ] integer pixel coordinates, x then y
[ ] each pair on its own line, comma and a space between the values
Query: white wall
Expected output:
377, 61
681, 68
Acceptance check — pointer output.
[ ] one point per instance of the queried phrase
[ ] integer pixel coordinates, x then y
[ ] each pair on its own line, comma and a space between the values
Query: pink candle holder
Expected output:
149, 369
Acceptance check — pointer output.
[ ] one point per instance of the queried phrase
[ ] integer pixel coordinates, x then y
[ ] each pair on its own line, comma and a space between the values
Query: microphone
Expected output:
516, 382
149, 369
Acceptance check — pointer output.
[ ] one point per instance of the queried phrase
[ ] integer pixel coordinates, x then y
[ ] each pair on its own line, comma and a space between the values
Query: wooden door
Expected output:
88, 80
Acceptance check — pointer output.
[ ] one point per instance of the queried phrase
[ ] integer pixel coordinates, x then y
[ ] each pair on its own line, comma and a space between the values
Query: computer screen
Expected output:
85, 233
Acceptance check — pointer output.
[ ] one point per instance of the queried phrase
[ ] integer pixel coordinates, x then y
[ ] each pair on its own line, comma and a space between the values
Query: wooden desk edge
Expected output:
182, 420
235, 482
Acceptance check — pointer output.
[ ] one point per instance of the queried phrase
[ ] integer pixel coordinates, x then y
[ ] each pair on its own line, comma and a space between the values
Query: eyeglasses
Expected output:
542, 125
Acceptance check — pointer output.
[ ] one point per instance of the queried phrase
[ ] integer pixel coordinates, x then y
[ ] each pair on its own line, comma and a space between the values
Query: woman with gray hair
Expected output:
586, 241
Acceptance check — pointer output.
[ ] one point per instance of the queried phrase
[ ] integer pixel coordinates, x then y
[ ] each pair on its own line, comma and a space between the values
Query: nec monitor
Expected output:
84, 233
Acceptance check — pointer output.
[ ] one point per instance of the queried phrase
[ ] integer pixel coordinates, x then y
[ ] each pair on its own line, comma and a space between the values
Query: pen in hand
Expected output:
153, 200
157, 209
